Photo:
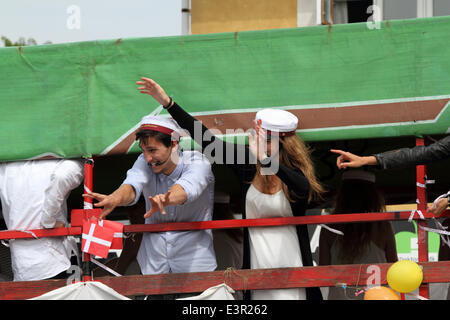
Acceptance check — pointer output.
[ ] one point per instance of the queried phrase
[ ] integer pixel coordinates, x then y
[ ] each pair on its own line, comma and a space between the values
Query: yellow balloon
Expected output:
381, 293
404, 276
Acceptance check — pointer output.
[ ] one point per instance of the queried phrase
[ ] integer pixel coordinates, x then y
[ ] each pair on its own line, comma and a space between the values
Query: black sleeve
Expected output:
195, 128
221, 151
406, 157
293, 178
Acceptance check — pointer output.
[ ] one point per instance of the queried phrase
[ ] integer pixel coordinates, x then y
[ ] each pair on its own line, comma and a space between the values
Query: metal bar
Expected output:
238, 223
228, 224
40, 233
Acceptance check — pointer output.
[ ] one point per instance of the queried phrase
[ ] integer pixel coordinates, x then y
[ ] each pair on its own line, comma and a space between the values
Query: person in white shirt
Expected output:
33, 195
177, 186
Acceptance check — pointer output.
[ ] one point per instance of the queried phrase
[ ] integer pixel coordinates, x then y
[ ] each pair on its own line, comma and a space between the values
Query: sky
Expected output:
62, 21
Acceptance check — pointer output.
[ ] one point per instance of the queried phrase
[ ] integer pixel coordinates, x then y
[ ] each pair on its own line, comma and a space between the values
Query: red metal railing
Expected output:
229, 224
88, 204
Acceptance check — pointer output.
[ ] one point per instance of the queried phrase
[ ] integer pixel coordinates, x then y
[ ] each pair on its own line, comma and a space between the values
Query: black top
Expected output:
243, 165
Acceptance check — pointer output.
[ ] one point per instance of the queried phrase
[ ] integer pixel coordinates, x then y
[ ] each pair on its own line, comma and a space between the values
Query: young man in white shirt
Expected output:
177, 186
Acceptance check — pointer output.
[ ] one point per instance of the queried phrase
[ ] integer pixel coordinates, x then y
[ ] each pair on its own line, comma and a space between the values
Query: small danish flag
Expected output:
117, 242
95, 239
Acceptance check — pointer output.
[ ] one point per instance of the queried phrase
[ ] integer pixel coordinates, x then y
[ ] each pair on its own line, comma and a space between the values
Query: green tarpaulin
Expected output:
80, 99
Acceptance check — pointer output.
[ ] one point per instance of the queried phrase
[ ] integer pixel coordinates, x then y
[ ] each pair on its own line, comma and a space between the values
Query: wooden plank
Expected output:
320, 276
19, 290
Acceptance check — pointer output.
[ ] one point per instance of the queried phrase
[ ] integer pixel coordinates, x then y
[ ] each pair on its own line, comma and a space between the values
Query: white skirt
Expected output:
273, 247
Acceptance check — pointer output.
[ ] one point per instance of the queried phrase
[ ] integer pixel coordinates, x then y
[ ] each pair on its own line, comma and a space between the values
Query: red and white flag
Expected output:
117, 242
95, 239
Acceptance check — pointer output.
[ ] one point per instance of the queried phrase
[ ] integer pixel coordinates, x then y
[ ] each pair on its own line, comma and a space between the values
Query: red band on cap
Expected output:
155, 127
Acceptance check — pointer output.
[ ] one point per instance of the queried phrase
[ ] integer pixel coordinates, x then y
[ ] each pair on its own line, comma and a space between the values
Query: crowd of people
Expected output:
276, 178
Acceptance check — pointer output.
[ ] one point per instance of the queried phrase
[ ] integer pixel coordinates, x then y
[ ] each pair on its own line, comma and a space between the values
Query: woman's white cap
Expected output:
280, 122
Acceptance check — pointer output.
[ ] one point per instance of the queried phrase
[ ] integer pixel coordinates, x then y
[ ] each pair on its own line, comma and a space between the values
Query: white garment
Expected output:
219, 292
33, 195
91, 290
273, 247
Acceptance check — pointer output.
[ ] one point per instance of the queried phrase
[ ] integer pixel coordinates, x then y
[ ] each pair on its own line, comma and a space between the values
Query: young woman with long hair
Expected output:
362, 243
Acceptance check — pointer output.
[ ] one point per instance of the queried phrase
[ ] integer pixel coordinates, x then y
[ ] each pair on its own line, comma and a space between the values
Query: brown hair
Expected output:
164, 138
358, 196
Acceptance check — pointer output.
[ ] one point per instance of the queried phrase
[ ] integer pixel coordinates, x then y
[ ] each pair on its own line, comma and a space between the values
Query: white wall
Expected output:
307, 13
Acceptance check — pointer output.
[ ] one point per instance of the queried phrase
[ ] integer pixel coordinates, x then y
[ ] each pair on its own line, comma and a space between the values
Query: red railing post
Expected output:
422, 235
88, 204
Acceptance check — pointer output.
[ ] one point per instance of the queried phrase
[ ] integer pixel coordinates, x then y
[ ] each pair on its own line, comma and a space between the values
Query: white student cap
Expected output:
359, 175
277, 121
160, 124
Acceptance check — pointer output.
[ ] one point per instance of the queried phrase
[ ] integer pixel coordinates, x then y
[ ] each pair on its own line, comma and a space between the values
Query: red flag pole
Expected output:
88, 204
422, 235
